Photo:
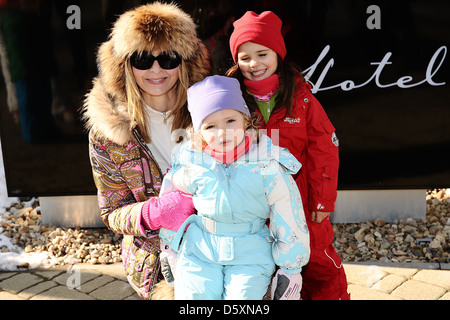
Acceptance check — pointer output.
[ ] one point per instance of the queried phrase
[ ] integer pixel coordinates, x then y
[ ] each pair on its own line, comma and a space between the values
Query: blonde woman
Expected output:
138, 99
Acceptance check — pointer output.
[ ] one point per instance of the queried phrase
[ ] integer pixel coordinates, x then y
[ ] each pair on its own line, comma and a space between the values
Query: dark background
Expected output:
390, 138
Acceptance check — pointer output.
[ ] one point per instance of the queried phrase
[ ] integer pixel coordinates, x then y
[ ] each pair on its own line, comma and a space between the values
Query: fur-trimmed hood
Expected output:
162, 26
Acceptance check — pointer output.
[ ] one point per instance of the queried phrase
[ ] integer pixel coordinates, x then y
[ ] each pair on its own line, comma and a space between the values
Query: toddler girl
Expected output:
238, 180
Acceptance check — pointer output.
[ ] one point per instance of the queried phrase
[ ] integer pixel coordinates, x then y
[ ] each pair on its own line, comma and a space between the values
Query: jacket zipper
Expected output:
147, 150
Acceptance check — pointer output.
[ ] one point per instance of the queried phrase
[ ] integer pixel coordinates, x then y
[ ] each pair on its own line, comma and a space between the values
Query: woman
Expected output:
138, 99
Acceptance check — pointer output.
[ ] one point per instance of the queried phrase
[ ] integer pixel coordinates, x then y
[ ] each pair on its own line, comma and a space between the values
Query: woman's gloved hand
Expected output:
168, 211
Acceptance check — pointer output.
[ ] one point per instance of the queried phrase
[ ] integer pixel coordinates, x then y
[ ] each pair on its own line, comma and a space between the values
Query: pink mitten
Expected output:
169, 211
286, 286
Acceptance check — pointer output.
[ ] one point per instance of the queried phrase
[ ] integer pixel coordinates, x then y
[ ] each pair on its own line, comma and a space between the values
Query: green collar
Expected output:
266, 107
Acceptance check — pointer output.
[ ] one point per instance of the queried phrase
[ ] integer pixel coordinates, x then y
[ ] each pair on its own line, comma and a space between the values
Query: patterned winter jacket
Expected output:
125, 176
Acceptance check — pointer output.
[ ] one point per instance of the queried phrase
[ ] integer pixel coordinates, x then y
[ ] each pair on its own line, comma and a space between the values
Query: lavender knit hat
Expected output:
213, 94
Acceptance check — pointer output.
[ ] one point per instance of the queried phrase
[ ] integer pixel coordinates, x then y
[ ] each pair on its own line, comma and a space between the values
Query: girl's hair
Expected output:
252, 123
288, 73
136, 109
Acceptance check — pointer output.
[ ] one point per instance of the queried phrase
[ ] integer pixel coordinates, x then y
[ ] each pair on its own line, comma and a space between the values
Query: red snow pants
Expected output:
324, 276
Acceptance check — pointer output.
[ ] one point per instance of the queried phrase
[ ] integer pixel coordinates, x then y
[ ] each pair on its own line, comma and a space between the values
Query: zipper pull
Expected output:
227, 174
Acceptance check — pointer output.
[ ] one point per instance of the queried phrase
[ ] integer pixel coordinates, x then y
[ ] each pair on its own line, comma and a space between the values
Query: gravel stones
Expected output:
407, 240
22, 224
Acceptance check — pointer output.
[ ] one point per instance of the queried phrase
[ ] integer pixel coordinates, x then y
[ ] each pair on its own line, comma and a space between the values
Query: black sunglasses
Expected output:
166, 60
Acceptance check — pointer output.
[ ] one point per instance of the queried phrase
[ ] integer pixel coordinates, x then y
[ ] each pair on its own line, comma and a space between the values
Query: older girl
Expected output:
277, 90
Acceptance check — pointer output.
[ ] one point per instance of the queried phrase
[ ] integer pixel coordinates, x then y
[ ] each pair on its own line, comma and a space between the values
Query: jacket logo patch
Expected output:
292, 120
335, 139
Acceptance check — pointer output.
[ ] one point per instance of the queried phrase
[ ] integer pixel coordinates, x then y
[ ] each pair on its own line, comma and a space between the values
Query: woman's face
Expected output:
256, 62
156, 81
223, 130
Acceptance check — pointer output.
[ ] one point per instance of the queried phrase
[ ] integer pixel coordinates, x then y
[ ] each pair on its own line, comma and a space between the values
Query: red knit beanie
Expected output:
263, 29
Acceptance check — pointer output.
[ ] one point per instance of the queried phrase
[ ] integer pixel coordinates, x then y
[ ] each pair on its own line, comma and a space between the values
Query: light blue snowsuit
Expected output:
228, 252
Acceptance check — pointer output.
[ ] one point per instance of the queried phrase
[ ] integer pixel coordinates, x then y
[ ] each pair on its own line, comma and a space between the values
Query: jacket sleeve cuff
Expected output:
142, 224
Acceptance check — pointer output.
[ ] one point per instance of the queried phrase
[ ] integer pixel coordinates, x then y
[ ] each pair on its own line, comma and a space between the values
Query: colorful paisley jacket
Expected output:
125, 176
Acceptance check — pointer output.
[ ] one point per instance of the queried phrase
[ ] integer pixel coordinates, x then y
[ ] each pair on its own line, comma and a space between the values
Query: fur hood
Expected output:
156, 25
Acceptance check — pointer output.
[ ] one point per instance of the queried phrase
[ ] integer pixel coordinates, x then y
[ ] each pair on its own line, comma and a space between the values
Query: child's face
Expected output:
256, 62
223, 130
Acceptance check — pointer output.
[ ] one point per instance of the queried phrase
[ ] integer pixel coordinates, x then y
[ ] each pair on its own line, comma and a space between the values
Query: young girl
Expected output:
238, 180
276, 90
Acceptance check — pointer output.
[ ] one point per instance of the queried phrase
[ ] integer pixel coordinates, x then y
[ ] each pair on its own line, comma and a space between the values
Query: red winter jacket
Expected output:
309, 136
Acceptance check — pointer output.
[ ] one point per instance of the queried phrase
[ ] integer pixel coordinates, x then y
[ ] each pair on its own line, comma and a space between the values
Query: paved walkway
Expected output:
398, 281
424, 281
